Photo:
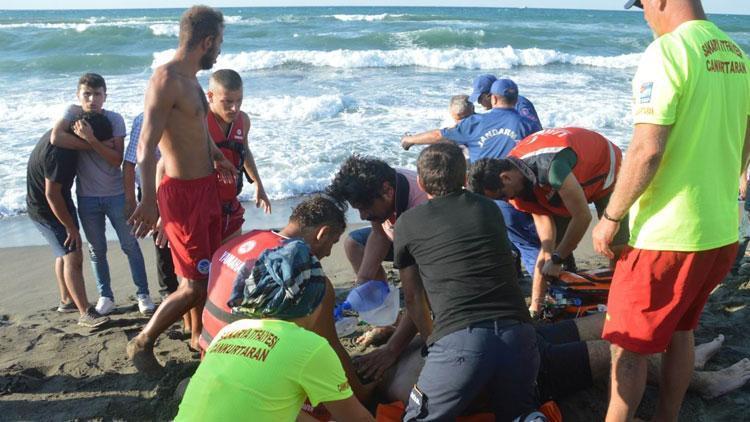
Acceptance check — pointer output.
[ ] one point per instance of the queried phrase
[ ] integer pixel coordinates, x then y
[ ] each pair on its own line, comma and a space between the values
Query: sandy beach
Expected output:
51, 369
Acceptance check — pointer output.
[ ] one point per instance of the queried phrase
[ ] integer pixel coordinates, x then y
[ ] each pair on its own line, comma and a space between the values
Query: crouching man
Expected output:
481, 337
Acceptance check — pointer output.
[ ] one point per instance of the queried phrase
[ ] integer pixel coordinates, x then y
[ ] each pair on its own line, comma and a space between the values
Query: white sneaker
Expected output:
145, 305
104, 305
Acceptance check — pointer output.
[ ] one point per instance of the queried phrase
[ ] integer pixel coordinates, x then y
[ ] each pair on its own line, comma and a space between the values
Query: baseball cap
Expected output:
505, 88
631, 3
481, 84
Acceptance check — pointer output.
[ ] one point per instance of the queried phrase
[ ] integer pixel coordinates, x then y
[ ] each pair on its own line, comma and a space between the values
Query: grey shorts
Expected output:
55, 234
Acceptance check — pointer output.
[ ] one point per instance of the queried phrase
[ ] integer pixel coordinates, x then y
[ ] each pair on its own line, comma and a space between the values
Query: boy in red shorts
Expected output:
228, 127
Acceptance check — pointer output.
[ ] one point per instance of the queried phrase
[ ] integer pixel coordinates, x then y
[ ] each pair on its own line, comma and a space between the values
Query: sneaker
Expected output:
92, 319
145, 305
67, 307
104, 305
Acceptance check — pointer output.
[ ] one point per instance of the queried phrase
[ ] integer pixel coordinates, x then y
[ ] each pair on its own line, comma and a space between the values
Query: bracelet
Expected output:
610, 218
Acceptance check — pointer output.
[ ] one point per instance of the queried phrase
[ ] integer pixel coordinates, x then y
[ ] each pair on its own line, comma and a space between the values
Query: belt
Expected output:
495, 324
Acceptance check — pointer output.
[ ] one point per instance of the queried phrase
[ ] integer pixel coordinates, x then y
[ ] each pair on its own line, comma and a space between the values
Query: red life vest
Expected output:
225, 264
231, 145
596, 167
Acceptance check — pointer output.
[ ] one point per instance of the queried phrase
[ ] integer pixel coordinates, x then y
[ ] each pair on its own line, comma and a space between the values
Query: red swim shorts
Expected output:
191, 216
655, 293
232, 217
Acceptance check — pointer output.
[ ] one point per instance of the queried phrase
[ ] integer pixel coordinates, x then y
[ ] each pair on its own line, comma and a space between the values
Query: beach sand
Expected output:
51, 369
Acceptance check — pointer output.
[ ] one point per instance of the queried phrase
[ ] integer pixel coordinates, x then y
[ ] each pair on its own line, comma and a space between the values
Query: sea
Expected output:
322, 83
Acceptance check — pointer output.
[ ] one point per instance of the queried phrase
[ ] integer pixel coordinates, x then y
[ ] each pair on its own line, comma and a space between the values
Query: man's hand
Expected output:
261, 199
226, 170
84, 131
373, 365
551, 269
160, 238
73, 240
602, 237
144, 218
405, 144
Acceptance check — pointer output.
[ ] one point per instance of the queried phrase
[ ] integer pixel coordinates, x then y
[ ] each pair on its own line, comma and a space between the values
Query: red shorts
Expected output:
655, 293
191, 216
232, 217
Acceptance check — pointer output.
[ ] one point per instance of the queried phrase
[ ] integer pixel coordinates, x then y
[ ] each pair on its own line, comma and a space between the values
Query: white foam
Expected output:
232, 19
303, 108
165, 29
477, 58
366, 18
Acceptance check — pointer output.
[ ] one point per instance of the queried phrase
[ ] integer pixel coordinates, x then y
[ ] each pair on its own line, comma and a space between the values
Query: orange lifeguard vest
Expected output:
596, 168
232, 147
225, 264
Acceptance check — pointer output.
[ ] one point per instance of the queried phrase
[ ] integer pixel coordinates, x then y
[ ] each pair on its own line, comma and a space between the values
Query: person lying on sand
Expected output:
265, 366
573, 358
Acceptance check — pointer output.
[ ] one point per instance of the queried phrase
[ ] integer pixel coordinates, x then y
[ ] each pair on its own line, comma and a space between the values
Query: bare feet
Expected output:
142, 356
725, 380
704, 352
375, 336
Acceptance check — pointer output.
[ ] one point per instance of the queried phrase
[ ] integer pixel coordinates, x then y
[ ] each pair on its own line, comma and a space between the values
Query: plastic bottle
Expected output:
375, 301
346, 326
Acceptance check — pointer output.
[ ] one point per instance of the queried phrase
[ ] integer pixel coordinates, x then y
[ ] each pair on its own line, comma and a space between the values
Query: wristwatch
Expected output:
556, 258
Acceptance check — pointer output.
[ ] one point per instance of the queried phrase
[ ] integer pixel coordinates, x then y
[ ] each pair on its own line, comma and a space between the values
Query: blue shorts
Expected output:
500, 357
55, 234
360, 236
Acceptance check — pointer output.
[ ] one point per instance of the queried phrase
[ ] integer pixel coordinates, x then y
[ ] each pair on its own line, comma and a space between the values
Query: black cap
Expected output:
631, 3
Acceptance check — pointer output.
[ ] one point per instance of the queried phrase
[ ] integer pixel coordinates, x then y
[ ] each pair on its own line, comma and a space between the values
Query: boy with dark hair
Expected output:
319, 222
50, 174
229, 127
100, 192
461, 270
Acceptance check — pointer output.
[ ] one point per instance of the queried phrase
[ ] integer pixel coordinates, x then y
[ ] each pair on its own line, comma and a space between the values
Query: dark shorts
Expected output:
55, 234
564, 368
360, 236
499, 356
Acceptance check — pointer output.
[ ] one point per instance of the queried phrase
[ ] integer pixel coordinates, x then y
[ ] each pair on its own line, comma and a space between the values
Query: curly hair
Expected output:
319, 210
360, 180
484, 174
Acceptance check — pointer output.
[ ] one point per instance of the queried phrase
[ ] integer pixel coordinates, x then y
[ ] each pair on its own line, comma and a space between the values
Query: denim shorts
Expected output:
360, 236
55, 234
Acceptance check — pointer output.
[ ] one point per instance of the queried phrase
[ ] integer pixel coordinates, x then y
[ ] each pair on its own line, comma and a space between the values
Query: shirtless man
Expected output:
175, 120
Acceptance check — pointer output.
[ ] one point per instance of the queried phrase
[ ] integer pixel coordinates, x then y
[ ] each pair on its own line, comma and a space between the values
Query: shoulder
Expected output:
114, 116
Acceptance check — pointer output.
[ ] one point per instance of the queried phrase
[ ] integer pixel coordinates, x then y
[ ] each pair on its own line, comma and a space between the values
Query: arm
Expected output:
375, 251
160, 99
53, 192
417, 307
260, 193
574, 200
638, 169
128, 183
424, 138
326, 328
745, 158
348, 410
60, 137
112, 155
545, 228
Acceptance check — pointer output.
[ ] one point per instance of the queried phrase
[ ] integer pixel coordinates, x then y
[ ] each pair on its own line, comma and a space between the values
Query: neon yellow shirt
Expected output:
697, 80
262, 370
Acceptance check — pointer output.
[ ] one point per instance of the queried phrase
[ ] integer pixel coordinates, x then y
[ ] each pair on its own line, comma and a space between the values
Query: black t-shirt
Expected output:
460, 243
48, 162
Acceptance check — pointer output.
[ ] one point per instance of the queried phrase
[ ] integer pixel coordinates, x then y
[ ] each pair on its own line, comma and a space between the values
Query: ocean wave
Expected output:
487, 58
366, 18
165, 30
303, 108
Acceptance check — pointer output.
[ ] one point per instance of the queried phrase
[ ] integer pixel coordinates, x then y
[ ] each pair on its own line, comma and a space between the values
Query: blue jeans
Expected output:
522, 234
500, 356
92, 210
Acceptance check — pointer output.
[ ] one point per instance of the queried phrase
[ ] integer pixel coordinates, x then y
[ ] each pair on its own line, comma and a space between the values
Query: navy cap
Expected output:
505, 88
482, 85
636, 3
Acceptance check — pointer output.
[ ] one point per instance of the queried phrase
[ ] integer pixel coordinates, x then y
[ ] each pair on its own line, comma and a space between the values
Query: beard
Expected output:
527, 194
208, 59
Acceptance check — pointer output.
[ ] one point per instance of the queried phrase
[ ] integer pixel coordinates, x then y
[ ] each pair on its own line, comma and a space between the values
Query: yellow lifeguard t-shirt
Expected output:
262, 370
697, 80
